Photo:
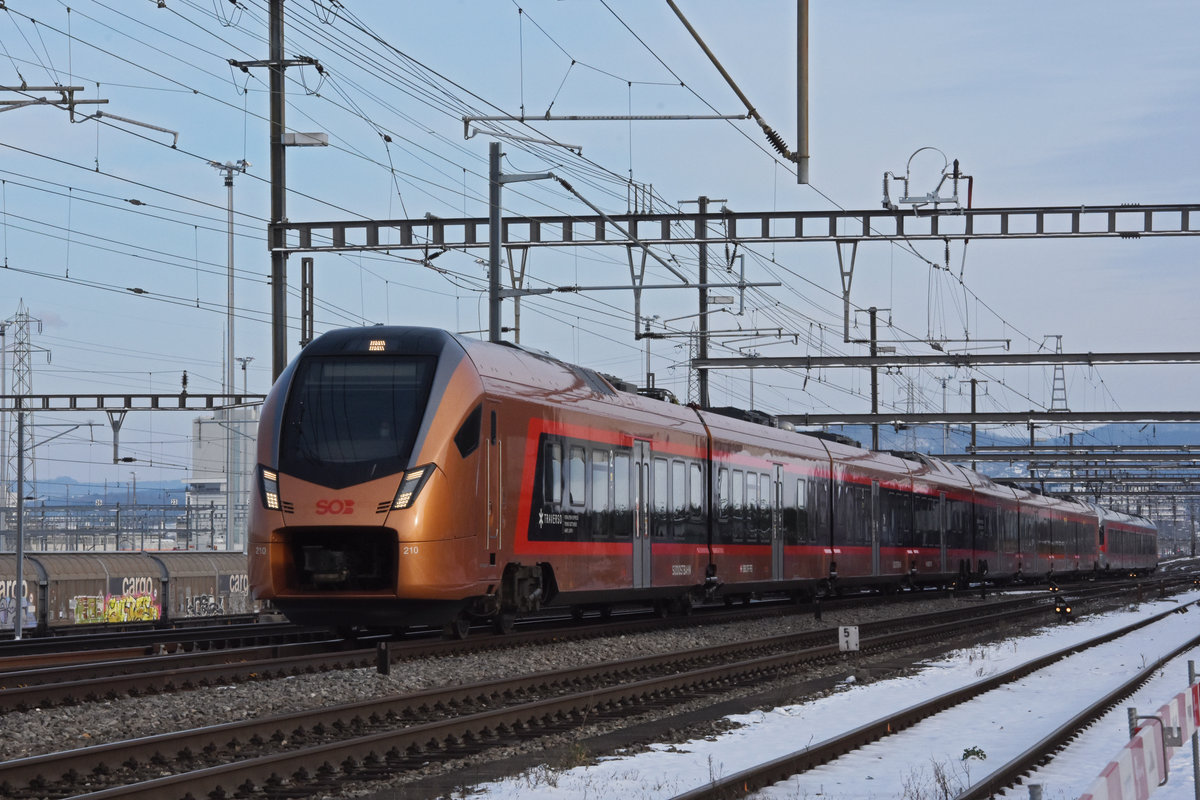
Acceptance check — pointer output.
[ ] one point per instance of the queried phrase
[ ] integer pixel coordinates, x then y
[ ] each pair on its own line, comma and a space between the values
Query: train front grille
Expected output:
343, 559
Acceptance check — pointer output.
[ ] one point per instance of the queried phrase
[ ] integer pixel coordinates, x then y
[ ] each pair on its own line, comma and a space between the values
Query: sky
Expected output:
113, 232
964, 743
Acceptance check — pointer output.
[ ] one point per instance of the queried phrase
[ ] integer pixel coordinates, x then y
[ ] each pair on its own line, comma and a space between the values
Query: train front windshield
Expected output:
353, 419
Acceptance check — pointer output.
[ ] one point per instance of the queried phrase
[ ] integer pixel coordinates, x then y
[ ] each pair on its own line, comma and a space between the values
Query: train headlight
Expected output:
269, 486
410, 486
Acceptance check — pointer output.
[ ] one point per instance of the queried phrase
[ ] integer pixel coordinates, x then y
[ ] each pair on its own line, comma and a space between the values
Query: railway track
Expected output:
783, 772
174, 661
60, 649
309, 751
95, 675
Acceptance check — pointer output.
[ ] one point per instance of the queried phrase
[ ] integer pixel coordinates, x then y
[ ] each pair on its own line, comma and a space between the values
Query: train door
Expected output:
942, 526
777, 531
641, 514
876, 513
495, 487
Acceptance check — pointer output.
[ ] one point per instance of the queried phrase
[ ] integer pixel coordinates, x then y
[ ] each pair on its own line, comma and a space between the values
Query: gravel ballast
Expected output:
48, 730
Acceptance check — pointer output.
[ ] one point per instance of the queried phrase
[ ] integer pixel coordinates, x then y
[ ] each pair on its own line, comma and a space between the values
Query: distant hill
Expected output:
934, 439
65, 490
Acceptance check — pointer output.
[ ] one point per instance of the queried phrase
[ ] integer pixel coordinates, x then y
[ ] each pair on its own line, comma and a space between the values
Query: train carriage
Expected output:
204, 585
1125, 543
411, 476
72, 590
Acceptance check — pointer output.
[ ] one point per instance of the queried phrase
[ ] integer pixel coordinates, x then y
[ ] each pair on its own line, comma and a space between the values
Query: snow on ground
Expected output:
936, 755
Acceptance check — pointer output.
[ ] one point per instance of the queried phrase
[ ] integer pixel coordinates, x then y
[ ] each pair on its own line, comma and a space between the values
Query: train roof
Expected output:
1112, 515
534, 374
398, 338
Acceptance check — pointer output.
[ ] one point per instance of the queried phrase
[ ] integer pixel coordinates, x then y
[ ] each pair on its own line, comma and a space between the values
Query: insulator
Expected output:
776, 141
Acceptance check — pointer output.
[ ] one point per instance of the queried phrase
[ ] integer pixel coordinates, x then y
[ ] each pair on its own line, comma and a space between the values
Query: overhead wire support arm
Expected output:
299, 61
772, 136
67, 98
628, 235
572, 289
577, 149
174, 134
467, 121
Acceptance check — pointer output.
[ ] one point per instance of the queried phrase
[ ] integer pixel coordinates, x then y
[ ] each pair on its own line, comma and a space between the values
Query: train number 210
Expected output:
410, 549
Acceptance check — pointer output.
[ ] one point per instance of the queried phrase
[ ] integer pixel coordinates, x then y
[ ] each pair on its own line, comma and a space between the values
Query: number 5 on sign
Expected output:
847, 637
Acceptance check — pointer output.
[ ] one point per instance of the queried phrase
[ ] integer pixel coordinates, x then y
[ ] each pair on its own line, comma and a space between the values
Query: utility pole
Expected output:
23, 348
702, 349
278, 194
244, 360
229, 168
496, 231
974, 386
945, 428
802, 91
307, 300
649, 374
280, 139
701, 236
19, 587
4, 495
873, 311
494, 234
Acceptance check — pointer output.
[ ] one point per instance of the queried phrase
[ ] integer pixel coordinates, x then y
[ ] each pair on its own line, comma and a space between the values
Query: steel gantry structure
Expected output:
432, 236
839, 226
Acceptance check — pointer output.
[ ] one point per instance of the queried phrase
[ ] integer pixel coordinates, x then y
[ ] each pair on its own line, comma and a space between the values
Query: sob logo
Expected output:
335, 506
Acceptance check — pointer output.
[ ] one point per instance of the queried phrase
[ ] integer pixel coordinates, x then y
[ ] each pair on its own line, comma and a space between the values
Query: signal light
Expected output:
410, 486
269, 486
1062, 607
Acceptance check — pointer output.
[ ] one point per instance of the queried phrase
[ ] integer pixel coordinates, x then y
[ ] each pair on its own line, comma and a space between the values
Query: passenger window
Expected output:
695, 490
553, 486
577, 477
678, 487
621, 482
660, 486
739, 490
723, 492
600, 480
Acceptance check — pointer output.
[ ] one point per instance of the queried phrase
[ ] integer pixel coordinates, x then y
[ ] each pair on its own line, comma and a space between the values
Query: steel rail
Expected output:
758, 777
99, 759
1040, 752
47, 686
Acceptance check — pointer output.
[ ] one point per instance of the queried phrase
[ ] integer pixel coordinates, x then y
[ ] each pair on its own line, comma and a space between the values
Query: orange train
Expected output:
412, 476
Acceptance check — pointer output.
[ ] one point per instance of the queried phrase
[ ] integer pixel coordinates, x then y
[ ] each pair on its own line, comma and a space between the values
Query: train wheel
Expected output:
458, 628
504, 622
577, 613
662, 609
683, 605
606, 612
